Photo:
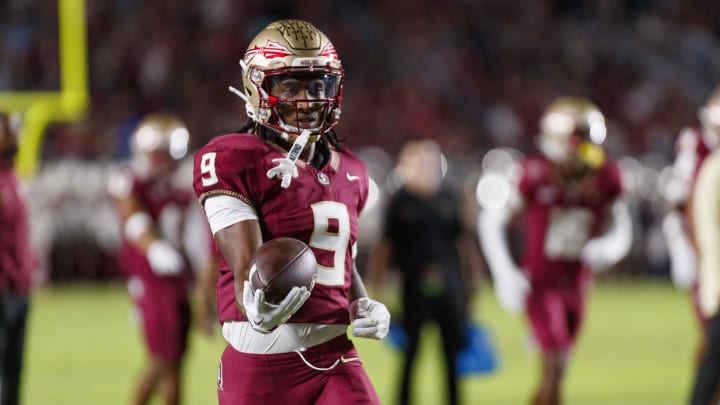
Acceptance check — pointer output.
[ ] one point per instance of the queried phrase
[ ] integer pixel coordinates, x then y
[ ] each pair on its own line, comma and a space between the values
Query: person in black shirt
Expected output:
425, 240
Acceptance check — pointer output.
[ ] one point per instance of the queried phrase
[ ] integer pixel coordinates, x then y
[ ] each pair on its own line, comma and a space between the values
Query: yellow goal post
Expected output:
70, 103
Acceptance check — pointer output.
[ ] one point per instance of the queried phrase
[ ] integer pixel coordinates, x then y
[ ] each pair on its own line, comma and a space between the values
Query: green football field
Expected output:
636, 349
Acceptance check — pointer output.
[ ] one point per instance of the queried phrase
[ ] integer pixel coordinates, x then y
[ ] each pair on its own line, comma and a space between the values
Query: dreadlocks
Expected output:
269, 134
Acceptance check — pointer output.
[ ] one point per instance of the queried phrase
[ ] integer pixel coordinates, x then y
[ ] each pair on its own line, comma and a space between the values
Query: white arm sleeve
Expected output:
511, 285
613, 245
618, 238
682, 170
492, 227
223, 211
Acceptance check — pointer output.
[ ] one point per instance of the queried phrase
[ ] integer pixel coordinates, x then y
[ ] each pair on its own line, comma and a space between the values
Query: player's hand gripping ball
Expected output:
281, 264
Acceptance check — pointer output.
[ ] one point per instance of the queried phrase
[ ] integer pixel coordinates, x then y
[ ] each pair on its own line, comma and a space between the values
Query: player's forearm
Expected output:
237, 243
138, 225
139, 228
207, 280
493, 239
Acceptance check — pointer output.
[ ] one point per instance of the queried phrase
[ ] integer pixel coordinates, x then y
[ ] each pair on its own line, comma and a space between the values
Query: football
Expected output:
281, 264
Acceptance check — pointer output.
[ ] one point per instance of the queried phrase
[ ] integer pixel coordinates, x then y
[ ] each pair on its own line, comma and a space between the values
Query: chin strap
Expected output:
286, 169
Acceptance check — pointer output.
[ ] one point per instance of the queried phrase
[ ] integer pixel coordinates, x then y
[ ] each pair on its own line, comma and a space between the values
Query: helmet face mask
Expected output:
572, 130
291, 65
301, 100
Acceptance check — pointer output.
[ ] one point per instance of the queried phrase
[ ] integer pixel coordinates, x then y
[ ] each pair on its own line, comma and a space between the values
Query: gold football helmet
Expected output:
158, 133
290, 49
573, 128
709, 115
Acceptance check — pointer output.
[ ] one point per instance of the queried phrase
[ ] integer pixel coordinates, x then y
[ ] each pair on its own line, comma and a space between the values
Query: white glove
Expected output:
264, 316
164, 259
285, 169
371, 319
511, 288
602, 252
593, 256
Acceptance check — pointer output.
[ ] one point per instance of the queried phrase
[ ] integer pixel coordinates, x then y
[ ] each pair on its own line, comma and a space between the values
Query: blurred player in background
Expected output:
692, 147
705, 217
152, 206
575, 223
16, 266
425, 238
286, 173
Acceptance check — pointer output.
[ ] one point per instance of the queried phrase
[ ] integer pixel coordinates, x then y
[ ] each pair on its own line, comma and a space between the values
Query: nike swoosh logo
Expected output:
349, 359
350, 177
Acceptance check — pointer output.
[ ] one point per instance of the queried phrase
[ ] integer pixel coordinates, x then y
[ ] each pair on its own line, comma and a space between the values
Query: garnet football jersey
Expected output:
166, 205
16, 259
561, 218
320, 207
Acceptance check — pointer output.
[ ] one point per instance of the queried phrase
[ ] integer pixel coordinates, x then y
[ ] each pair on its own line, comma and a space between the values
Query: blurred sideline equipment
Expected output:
575, 224
477, 356
43, 107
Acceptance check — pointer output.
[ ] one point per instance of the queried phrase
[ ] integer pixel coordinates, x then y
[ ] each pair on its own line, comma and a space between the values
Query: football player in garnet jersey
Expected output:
153, 209
286, 173
575, 223
17, 263
692, 147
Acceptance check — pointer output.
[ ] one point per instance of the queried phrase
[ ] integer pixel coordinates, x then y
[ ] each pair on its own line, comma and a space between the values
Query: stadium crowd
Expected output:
477, 73
474, 77
470, 75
